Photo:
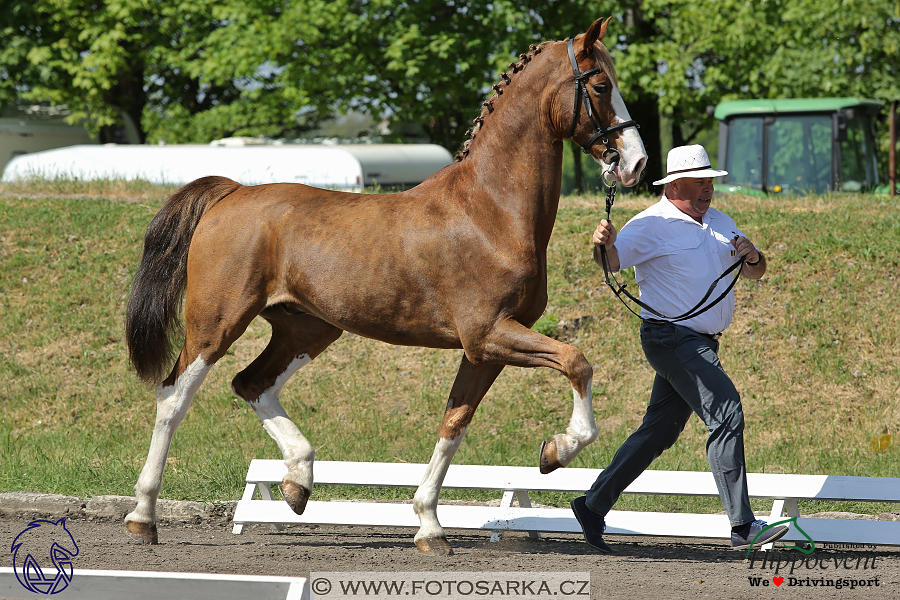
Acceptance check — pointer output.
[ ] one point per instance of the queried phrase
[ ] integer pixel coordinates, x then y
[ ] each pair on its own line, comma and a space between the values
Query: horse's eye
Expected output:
601, 88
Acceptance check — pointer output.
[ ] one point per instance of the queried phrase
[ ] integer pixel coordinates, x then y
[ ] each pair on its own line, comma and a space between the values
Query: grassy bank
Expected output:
815, 350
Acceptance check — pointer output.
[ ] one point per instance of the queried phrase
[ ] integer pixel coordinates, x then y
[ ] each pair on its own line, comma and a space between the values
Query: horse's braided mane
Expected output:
487, 107
601, 55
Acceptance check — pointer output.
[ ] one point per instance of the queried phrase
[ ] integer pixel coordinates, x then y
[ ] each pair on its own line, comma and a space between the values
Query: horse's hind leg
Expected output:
210, 331
296, 340
471, 384
173, 398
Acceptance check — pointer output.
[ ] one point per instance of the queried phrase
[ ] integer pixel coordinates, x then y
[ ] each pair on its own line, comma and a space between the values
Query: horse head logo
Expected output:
44, 543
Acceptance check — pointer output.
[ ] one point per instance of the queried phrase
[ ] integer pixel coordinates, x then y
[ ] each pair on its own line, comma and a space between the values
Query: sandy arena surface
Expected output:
658, 569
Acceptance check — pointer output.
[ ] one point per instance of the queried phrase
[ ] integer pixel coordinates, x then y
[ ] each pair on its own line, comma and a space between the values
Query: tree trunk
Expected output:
677, 133
645, 111
127, 95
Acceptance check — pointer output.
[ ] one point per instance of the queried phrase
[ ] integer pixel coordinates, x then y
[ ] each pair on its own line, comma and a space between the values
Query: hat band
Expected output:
689, 170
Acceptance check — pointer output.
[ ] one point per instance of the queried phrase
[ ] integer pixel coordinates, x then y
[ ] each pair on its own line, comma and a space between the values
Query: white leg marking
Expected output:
426, 498
582, 429
297, 451
172, 403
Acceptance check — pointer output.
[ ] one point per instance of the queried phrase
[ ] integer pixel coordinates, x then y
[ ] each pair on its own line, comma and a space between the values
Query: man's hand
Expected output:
745, 248
605, 235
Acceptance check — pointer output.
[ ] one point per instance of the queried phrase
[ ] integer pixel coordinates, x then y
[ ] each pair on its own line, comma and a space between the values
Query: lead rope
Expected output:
609, 180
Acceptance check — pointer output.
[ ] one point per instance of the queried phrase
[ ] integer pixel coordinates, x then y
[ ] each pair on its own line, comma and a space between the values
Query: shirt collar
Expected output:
671, 211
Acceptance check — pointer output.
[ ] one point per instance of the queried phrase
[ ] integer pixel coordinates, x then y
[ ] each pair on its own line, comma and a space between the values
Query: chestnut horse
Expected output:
459, 261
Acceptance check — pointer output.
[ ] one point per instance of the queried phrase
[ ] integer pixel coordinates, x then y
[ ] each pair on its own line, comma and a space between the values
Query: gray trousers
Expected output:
689, 378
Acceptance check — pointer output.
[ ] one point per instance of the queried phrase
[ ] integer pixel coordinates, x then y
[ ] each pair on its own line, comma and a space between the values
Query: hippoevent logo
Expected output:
801, 566
41, 545
793, 521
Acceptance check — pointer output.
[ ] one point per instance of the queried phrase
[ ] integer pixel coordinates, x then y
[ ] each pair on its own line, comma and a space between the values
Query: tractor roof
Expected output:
795, 105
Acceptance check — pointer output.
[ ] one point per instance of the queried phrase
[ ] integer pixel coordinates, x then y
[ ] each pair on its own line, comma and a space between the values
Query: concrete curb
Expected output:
55, 505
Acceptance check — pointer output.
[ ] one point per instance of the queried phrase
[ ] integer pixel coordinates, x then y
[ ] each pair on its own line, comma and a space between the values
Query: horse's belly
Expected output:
403, 325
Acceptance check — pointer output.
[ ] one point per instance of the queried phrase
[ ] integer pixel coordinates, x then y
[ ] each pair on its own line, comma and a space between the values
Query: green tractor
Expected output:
799, 146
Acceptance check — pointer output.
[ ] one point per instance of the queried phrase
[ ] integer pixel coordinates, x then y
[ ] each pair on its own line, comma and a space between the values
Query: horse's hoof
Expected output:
295, 495
549, 459
438, 546
142, 533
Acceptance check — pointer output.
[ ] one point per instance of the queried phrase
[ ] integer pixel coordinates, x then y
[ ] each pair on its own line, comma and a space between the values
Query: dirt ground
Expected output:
658, 569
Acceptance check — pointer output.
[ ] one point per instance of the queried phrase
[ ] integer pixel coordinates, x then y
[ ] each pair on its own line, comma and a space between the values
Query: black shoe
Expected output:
592, 525
767, 533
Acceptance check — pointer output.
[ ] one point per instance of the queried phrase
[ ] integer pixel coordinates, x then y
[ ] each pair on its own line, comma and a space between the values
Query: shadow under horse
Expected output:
458, 262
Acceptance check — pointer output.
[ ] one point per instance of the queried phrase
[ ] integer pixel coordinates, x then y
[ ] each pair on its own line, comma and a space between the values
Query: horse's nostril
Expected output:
640, 168
642, 163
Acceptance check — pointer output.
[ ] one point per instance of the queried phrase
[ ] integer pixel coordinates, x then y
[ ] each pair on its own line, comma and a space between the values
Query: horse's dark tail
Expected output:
152, 317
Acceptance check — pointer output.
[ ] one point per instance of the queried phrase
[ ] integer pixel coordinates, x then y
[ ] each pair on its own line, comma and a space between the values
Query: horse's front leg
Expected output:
512, 343
562, 448
472, 383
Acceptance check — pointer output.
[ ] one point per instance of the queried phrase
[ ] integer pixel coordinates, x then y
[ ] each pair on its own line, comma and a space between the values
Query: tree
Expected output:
195, 70
75, 53
133, 56
695, 53
430, 63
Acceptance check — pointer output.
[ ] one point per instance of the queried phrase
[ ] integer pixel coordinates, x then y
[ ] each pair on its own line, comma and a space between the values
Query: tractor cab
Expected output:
799, 146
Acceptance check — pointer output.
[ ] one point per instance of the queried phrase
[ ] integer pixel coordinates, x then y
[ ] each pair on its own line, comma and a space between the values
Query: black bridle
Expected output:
610, 155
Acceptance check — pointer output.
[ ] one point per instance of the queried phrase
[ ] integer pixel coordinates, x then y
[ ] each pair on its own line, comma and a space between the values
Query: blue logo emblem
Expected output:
49, 544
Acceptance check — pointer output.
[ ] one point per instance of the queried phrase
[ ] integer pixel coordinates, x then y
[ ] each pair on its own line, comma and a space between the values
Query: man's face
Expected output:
692, 195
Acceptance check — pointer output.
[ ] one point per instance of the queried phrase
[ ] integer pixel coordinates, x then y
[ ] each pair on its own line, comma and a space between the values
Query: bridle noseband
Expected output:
581, 95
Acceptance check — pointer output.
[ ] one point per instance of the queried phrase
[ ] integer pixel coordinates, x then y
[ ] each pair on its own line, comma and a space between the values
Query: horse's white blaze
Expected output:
426, 497
632, 149
582, 429
298, 453
172, 403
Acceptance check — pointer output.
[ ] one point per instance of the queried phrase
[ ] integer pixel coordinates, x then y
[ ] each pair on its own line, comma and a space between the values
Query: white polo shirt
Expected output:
676, 259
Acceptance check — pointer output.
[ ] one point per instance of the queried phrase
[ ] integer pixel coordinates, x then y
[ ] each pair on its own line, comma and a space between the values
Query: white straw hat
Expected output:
688, 161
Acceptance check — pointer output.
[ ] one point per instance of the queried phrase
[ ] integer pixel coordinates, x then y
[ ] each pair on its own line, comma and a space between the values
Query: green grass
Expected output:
814, 350
62, 185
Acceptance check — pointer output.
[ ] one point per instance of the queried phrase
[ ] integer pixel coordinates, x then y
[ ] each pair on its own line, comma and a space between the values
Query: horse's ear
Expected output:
596, 32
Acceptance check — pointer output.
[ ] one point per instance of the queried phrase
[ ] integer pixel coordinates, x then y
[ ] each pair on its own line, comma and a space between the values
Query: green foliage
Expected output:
426, 63
199, 70
691, 54
696, 53
195, 71
134, 57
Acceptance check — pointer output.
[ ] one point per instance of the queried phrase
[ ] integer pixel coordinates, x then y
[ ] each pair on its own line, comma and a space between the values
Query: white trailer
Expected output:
348, 167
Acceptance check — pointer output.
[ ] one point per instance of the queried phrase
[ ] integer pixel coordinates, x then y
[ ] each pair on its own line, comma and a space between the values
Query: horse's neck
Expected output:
517, 160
